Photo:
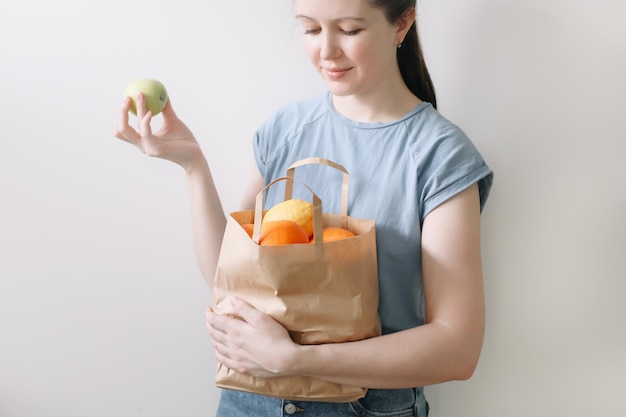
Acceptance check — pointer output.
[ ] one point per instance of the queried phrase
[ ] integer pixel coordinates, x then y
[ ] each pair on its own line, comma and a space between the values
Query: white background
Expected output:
101, 302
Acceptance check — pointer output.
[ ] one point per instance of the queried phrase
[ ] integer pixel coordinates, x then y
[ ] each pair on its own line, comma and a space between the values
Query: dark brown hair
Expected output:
410, 57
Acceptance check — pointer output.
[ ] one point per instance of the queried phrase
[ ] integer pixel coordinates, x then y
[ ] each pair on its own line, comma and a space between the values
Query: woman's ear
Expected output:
404, 24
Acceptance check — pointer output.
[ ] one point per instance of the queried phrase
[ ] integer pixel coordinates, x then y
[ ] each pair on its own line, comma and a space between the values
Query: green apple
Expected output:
154, 92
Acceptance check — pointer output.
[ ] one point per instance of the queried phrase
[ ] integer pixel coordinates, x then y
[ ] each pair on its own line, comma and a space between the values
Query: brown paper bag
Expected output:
322, 292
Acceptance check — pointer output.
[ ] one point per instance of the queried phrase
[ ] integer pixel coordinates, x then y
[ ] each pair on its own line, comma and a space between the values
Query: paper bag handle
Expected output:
321, 161
317, 210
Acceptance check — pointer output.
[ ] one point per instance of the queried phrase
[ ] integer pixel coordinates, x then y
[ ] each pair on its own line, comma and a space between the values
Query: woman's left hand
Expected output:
257, 345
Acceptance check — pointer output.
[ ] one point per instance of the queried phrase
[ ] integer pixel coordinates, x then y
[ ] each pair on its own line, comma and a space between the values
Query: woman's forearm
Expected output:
425, 355
208, 218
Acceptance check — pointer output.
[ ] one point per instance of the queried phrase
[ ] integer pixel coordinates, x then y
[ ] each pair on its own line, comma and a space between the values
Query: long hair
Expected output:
410, 56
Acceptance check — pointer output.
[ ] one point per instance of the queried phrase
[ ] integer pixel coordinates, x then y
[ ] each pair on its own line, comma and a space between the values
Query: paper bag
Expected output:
321, 292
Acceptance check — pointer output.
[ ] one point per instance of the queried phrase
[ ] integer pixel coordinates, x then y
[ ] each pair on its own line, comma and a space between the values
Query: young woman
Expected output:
412, 170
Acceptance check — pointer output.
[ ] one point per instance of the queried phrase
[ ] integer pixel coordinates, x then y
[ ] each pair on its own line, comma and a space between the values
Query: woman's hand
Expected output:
174, 141
256, 345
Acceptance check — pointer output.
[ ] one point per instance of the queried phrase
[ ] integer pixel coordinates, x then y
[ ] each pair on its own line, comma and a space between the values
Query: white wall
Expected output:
101, 303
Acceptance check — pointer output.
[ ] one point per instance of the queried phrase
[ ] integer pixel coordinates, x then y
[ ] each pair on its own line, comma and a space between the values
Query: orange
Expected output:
334, 233
282, 232
249, 228
298, 211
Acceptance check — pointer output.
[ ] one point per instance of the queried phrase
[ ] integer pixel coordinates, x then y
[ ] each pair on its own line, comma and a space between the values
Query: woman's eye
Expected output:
315, 31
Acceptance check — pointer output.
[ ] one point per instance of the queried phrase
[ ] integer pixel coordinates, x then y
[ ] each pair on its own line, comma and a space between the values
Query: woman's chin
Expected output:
339, 90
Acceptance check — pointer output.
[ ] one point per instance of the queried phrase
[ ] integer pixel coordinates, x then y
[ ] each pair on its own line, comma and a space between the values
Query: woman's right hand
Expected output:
173, 141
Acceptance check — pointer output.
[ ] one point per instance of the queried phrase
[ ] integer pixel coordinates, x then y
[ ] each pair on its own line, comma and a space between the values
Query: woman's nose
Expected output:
329, 48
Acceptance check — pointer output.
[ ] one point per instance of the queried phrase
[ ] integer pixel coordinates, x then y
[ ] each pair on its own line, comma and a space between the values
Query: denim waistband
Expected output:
377, 403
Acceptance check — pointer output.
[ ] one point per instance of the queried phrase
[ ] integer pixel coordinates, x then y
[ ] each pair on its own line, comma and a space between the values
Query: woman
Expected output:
411, 170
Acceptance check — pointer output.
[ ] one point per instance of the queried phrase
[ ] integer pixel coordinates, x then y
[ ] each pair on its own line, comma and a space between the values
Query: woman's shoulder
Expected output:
429, 121
428, 129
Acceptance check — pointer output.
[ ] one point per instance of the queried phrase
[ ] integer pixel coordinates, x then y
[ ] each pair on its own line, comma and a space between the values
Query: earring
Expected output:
400, 45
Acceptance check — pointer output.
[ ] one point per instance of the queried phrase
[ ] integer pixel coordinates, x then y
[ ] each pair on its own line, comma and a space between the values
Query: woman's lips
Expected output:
336, 73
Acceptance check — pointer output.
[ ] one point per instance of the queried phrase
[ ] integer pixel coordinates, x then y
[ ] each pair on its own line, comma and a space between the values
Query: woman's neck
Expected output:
377, 108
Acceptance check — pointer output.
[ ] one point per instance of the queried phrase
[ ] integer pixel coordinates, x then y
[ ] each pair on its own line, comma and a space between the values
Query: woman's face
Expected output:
352, 45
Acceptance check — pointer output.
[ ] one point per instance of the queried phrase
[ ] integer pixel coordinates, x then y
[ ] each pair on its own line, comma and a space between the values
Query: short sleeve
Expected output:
259, 154
452, 165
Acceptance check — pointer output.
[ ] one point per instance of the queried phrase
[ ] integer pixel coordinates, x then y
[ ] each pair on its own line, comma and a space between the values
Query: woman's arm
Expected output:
448, 345
445, 348
208, 219
176, 143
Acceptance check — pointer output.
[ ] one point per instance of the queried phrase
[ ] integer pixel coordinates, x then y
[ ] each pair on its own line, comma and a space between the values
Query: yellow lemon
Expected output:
298, 211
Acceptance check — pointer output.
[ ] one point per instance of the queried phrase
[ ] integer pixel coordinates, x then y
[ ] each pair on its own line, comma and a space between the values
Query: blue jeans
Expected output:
377, 403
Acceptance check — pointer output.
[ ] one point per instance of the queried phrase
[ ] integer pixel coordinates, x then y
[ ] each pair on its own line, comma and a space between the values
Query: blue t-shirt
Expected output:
399, 171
